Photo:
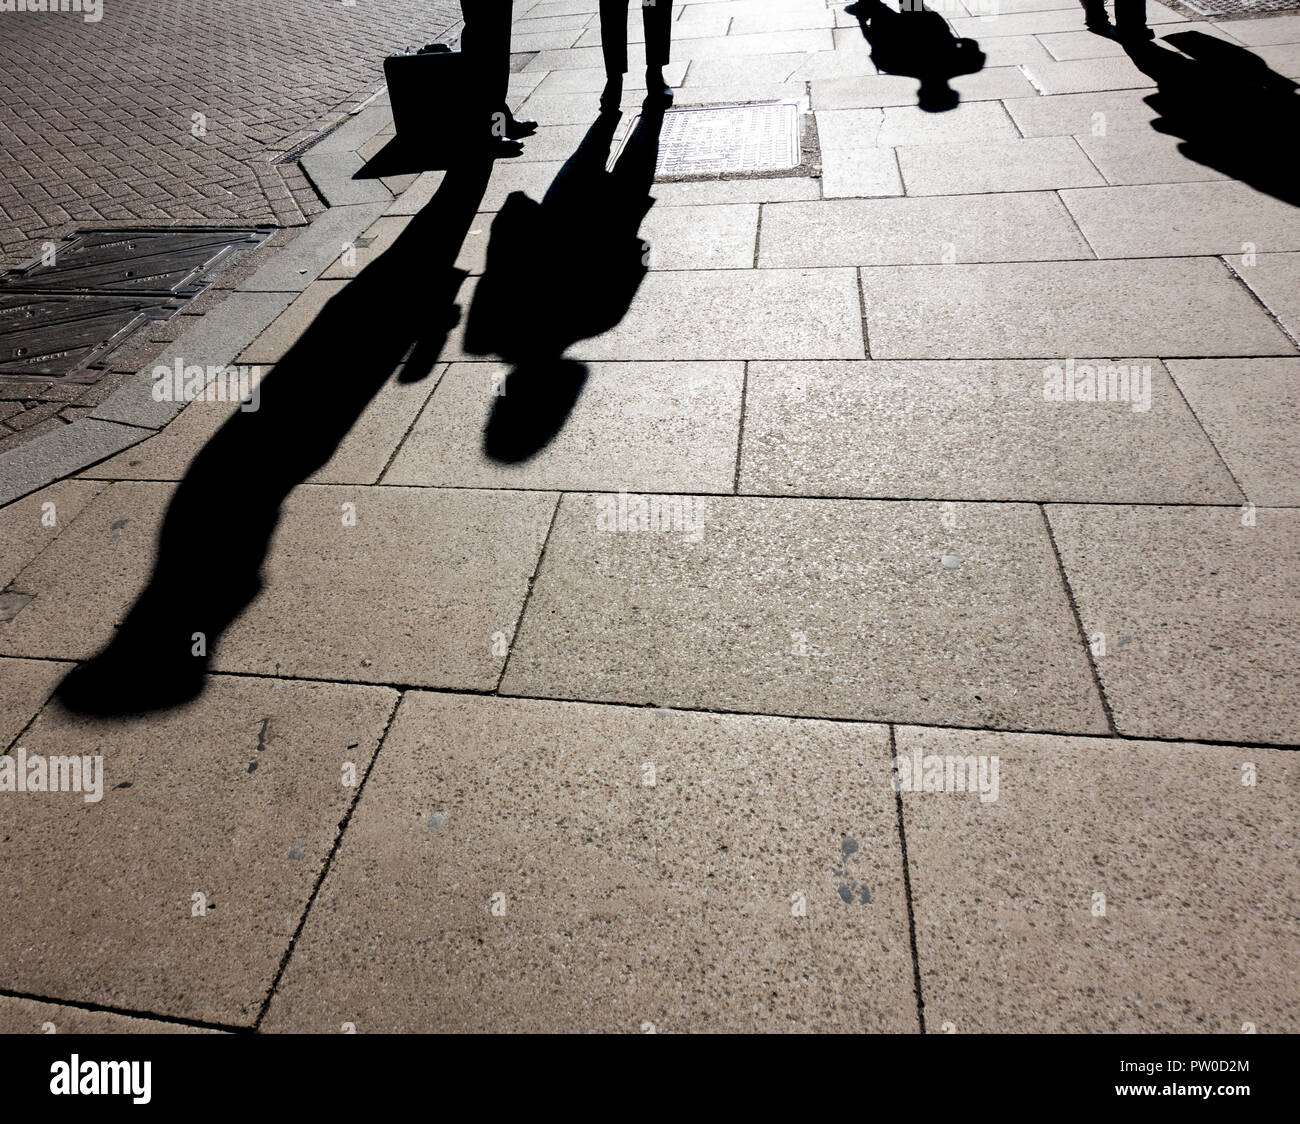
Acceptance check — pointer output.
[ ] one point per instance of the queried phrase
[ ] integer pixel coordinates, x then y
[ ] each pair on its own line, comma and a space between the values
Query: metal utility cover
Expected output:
1240, 7
161, 263
728, 139
64, 313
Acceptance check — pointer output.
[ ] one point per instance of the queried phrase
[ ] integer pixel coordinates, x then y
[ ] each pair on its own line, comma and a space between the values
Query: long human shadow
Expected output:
559, 271
214, 538
918, 43
1232, 112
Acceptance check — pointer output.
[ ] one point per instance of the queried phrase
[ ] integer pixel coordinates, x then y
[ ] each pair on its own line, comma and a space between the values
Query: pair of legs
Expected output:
1130, 18
657, 19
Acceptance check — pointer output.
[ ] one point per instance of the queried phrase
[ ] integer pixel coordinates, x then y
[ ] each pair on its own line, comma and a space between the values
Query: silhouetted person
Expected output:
1232, 112
918, 43
1130, 20
559, 271
657, 19
486, 44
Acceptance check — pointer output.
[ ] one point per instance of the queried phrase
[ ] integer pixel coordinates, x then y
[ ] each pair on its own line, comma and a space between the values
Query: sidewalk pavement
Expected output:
487, 753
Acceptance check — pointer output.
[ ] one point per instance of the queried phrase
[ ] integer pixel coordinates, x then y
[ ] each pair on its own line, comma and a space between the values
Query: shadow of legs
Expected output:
216, 533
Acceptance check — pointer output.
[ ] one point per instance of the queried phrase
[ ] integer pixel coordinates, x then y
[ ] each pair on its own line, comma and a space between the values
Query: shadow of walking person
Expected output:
394, 316
918, 43
1232, 112
559, 271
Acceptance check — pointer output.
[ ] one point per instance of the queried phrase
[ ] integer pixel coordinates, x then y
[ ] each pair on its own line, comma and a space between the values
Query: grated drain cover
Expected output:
728, 140
1240, 7
64, 313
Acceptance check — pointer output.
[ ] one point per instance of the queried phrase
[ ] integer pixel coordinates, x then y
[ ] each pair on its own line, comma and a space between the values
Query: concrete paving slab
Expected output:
828, 608
253, 771
1251, 410
1043, 163
735, 314
776, 189
25, 686
625, 903
333, 175
1182, 219
1262, 32
973, 431
1275, 279
28, 526
970, 121
61, 452
314, 250
1038, 23
1198, 617
382, 601
269, 346
723, 236
360, 458
1144, 158
910, 230
667, 426
1069, 45
895, 89
852, 164
212, 340
1282, 58
1082, 114
1083, 75
1113, 886
28, 1016
414, 199
1162, 307
358, 252
590, 78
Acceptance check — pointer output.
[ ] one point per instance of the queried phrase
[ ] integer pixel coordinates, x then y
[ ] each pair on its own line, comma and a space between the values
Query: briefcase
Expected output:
427, 88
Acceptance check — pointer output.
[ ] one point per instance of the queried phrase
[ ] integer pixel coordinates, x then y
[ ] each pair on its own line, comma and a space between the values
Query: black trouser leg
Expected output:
657, 18
486, 43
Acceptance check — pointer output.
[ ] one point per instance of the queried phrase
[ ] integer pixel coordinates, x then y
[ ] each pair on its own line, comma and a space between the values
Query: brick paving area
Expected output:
97, 125
97, 119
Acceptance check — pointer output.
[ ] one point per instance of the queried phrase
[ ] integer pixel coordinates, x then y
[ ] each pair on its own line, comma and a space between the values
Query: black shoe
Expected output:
658, 92
517, 127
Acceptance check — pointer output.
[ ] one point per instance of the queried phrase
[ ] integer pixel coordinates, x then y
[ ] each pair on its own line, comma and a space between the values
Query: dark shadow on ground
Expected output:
1233, 113
559, 271
394, 315
918, 43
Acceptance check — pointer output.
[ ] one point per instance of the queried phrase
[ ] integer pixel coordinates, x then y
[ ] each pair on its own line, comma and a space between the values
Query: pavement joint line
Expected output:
907, 890
1208, 436
862, 317
1078, 620
731, 495
1075, 223
740, 436
528, 592
437, 381
327, 864
1237, 275
129, 1012
484, 693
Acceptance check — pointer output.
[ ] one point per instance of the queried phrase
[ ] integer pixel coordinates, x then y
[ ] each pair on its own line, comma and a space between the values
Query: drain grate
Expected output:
1240, 7
728, 140
62, 315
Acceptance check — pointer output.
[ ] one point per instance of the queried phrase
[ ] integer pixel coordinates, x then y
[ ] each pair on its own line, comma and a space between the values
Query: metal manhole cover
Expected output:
1239, 7
728, 139
66, 311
